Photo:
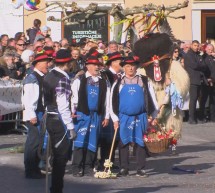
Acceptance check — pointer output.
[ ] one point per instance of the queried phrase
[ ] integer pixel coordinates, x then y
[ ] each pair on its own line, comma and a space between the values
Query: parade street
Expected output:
195, 161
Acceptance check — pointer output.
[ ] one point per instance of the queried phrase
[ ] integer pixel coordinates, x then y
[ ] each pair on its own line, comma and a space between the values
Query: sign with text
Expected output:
96, 27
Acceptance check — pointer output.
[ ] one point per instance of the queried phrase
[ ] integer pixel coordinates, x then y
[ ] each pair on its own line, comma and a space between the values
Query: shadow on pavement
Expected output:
143, 189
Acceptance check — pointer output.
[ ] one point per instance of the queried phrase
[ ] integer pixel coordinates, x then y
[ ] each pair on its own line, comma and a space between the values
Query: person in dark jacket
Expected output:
8, 69
209, 60
31, 32
193, 64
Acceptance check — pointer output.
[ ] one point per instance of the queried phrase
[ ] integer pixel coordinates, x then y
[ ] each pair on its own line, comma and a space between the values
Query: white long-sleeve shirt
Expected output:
30, 98
75, 89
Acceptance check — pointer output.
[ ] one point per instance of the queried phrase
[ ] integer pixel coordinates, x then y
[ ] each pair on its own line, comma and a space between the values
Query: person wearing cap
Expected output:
34, 109
130, 103
27, 58
112, 73
57, 93
42, 34
90, 107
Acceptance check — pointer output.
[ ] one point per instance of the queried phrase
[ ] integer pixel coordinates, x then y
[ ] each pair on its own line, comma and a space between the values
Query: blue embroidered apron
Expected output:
88, 126
132, 115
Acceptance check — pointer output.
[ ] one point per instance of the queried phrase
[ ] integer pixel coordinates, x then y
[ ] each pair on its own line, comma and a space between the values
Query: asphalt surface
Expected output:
196, 154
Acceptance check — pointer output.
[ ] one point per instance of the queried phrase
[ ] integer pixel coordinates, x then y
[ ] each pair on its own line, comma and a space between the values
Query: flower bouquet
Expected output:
157, 138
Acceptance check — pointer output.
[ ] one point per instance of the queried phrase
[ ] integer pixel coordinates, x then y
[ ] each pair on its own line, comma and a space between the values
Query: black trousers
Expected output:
124, 156
204, 94
194, 94
212, 103
31, 159
105, 150
83, 160
56, 131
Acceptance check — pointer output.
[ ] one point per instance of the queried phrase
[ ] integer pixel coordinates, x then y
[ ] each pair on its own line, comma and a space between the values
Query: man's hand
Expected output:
6, 78
116, 125
168, 81
79, 73
33, 121
105, 123
155, 122
73, 134
74, 115
210, 81
18, 73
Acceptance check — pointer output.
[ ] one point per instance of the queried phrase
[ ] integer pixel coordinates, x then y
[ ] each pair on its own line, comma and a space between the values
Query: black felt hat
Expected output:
93, 60
63, 56
112, 57
49, 51
40, 56
134, 60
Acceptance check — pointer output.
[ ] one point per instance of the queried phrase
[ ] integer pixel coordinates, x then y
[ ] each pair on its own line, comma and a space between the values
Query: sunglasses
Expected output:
21, 44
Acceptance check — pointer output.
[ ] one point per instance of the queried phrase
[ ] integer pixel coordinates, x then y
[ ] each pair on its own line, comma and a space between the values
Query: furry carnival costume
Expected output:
168, 80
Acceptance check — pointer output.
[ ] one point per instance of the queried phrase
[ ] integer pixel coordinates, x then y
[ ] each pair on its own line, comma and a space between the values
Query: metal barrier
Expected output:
16, 118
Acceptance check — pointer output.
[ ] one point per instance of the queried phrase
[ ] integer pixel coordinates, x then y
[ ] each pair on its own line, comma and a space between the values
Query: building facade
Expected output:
199, 22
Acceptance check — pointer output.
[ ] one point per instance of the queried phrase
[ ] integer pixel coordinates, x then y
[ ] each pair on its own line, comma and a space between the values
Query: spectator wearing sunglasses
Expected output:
20, 47
176, 54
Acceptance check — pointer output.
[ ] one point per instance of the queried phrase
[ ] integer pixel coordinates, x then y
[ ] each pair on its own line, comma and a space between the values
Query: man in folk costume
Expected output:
90, 104
57, 95
130, 104
168, 81
114, 70
112, 73
34, 110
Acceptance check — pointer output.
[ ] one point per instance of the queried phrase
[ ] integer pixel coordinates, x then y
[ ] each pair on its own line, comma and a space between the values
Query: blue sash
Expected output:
88, 126
132, 115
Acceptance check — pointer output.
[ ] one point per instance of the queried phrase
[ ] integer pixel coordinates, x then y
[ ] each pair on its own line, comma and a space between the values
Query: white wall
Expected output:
196, 25
197, 7
55, 26
11, 19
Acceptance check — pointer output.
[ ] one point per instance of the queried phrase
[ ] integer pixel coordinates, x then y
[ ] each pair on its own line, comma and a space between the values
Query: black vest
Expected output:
40, 106
149, 105
50, 83
82, 96
107, 74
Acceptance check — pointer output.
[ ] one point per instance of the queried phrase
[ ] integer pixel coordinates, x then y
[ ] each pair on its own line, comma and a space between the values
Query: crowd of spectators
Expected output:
199, 62
17, 53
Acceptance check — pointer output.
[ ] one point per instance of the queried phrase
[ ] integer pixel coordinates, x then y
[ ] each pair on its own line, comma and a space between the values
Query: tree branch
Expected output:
116, 11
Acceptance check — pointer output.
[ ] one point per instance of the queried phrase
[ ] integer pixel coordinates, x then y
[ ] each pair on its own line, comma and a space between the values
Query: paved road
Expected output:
196, 150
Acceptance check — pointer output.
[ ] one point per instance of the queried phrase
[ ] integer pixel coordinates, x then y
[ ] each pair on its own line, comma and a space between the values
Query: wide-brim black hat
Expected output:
40, 57
49, 51
112, 57
63, 56
93, 60
133, 60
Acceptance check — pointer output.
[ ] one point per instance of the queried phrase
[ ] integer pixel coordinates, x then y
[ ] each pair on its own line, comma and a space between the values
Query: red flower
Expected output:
173, 142
136, 58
